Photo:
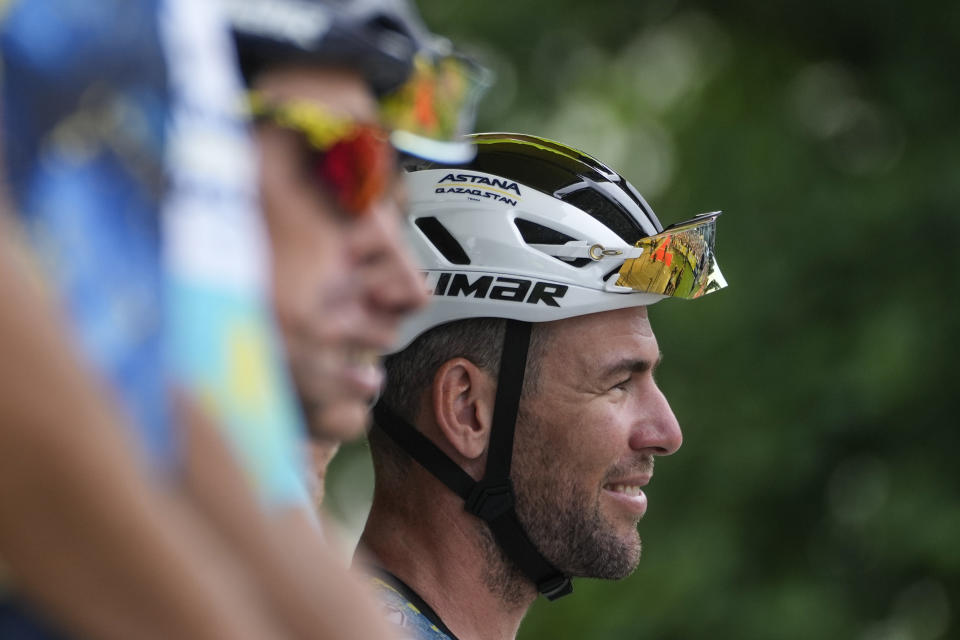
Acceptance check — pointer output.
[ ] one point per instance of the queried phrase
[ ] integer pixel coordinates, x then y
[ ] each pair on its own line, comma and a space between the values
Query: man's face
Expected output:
585, 441
342, 281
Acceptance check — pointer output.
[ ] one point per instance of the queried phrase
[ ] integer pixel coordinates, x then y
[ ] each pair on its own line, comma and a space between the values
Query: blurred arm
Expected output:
309, 589
86, 535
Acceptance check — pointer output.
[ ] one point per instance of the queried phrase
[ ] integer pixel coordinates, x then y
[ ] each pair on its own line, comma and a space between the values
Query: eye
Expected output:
622, 385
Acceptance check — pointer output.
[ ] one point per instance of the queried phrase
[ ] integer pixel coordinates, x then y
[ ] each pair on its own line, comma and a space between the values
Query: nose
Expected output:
658, 432
392, 283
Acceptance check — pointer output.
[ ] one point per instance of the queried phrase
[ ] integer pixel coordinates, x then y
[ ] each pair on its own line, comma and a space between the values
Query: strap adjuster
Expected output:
488, 500
555, 586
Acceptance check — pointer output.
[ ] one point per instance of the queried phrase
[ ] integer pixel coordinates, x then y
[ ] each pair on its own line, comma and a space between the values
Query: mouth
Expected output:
350, 372
626, 489
628, 494
363, 371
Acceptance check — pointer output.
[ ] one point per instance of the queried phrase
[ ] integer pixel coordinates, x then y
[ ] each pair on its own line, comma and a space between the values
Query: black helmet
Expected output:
388, 43
378, 37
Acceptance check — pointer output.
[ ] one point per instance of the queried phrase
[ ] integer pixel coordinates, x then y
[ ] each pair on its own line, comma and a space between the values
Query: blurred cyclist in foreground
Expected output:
98, 539
338, 91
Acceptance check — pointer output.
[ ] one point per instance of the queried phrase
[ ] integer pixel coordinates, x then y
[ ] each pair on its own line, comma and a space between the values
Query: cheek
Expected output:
584, 440
304, 271
597, 442
307, 250
604, 437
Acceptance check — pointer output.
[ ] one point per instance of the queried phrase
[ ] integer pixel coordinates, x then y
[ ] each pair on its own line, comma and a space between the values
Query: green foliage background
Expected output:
816, 494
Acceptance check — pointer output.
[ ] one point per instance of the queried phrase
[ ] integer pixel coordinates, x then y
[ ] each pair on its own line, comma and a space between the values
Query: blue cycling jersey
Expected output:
85, 103
131, 171
405, 609
223, 343
133, 174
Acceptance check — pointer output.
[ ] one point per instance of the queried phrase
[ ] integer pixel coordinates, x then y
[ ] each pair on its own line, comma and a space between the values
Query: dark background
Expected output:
816, 494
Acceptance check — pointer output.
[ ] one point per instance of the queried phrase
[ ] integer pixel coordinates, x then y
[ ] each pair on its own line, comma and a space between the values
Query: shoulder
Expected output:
404, 614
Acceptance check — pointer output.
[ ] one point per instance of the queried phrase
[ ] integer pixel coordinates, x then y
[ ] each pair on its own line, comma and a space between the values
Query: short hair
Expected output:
410, 372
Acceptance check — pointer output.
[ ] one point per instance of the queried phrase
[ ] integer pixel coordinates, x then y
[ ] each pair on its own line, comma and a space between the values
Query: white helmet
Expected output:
534, 230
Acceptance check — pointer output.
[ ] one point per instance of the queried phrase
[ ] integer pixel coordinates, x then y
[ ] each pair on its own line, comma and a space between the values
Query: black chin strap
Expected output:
492, 499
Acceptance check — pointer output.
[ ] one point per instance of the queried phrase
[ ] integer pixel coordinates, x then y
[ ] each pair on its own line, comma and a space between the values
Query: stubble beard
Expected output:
562, 521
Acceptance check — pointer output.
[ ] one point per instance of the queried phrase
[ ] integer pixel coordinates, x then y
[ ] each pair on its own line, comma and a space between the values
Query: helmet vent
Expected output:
534, 233
607, 275
443, 240
604, 210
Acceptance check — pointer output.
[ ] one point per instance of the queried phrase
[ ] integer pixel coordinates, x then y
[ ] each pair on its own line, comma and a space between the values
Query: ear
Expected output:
463, 397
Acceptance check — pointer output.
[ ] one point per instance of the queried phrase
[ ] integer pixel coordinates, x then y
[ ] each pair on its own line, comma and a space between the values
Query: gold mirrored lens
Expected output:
439, 99
678, 262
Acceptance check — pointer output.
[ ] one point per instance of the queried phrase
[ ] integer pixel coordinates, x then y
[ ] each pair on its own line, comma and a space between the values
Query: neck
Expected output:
321, 452
449, 558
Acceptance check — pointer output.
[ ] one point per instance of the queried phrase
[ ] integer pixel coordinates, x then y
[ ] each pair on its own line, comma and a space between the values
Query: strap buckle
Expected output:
555, 586
488, 500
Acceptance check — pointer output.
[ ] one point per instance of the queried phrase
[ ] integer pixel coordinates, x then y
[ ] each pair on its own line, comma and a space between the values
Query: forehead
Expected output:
342, 91
600, 336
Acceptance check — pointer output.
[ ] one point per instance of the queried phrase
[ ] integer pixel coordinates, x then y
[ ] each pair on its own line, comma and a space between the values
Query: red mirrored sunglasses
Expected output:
354, 160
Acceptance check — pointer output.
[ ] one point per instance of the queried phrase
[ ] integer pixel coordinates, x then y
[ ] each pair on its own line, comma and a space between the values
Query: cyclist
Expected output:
96, 534
337, 90
521, 420
341, 279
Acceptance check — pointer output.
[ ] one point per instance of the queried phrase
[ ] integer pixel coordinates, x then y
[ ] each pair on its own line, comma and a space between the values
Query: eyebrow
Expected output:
633, 365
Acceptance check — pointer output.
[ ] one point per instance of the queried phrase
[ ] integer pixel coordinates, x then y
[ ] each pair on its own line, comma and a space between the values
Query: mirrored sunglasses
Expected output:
677, 262
354, 160
430, 113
